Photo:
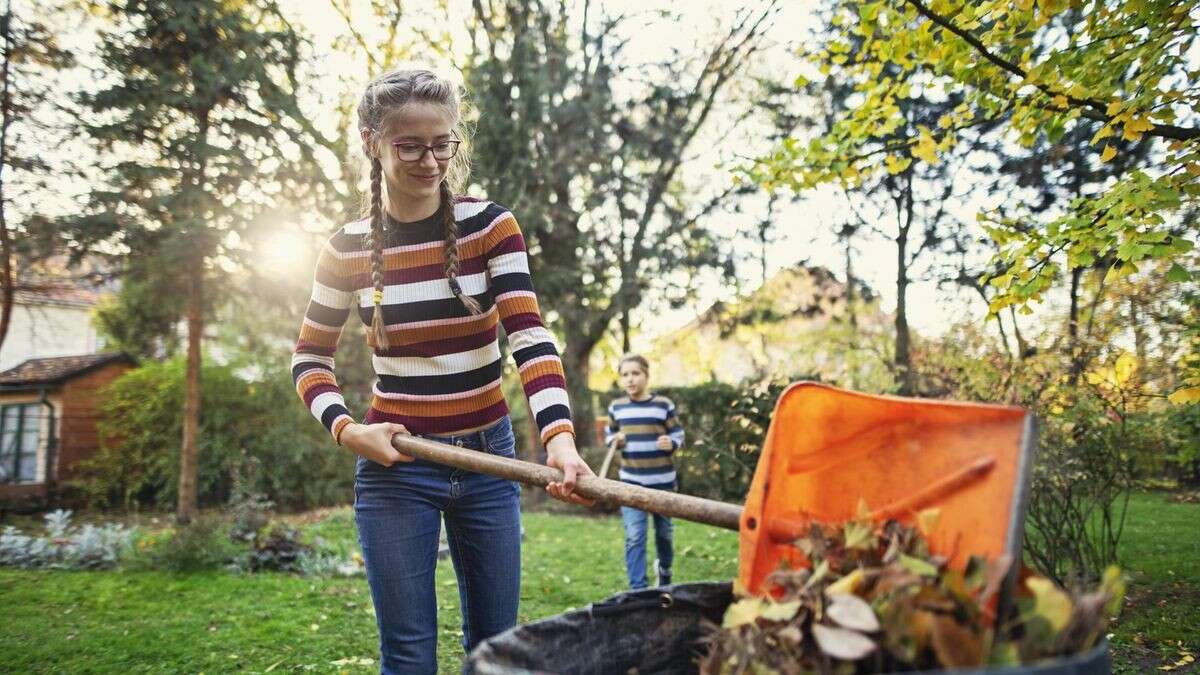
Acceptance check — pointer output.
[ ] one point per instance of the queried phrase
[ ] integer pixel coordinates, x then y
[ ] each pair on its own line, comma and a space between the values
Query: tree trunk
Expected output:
1140, 339
1073, 348
903, 359
1022, 345
851, 300
575, 364
7, 283
625, 344
188, 504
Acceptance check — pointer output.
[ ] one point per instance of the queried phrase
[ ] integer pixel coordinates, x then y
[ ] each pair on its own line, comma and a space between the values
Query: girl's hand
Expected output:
619, 439
664, 443
561, 454
374, 442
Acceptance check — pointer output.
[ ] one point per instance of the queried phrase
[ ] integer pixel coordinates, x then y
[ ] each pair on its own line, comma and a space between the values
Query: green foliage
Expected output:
242, 424
1038, 70
136, 320
203, 544
1082, 479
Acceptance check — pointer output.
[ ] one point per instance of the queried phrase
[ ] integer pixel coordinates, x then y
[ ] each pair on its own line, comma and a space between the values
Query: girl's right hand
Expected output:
619, 439
374, 442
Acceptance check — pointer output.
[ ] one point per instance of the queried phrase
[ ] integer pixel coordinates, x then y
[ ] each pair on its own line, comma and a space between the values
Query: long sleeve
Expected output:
312, 359
532, 345
674, 428
612, 428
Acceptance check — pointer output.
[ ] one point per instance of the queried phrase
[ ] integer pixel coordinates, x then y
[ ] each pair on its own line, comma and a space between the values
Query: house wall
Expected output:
50, 329
78, 438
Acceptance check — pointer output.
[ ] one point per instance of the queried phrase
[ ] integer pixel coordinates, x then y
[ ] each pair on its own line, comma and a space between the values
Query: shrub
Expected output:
202, 545
243, 424
65, 546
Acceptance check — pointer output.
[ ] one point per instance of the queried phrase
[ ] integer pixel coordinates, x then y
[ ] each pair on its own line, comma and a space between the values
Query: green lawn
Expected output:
1160, 550
151, 622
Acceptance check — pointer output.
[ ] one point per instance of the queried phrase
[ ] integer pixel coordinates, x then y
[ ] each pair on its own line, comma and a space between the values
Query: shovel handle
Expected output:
662, 502
608, 458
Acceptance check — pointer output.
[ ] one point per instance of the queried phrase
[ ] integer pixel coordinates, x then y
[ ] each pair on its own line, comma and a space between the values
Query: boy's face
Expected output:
633, 378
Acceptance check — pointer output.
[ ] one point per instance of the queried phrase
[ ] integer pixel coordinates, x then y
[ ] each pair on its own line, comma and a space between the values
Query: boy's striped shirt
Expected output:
643, 422
441, 372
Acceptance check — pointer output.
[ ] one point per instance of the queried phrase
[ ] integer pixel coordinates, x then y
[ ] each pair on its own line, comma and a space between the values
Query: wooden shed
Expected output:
48, 414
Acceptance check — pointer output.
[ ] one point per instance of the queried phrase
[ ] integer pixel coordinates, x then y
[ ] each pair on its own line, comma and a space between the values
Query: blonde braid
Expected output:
451, 228
374, 241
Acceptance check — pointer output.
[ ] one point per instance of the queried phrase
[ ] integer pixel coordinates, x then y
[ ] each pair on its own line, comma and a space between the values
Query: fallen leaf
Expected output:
927, 520
851, 611
847, 584
859, 535
780, 611
841, 643
917, 566
742, 612
1050, 602
955, 646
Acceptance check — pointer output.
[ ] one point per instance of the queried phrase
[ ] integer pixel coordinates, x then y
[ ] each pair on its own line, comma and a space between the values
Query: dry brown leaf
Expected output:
955, 646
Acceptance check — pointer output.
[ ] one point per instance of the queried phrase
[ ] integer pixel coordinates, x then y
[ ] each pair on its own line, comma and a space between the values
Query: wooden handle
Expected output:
662, 502
608, 458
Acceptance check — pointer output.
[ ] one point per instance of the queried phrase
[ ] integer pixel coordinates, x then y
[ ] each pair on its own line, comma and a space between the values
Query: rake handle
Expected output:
662, 502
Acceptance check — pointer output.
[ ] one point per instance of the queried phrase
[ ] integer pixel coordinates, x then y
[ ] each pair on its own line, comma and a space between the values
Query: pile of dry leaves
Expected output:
877, 601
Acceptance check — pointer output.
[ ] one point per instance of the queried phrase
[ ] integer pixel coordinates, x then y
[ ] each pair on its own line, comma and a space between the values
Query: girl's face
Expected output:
633, 378
417, 124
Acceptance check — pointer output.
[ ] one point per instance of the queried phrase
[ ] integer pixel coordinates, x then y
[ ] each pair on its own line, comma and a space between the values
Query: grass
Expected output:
1160, 550
154, 622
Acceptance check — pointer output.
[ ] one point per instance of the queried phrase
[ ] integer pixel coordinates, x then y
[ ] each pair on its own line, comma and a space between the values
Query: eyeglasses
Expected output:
407, 151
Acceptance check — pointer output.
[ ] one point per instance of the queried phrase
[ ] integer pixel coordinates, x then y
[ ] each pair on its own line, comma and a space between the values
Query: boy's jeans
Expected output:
635, 544
398, 512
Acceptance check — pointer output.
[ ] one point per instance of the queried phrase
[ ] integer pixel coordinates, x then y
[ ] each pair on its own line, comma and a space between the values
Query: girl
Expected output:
431, 275
645, 426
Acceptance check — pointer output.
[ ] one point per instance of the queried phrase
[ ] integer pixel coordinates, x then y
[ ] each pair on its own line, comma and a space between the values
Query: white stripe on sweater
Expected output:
437, 366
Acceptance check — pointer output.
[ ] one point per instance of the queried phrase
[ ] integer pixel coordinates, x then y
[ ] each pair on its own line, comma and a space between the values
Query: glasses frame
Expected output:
452, 142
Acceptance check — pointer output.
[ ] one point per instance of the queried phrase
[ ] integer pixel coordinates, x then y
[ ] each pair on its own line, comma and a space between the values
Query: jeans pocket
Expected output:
500, 439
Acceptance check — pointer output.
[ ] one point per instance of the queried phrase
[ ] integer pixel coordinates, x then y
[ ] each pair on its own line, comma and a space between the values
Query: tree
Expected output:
1123, 66
29, 52
907, 203
200, 131
593, 173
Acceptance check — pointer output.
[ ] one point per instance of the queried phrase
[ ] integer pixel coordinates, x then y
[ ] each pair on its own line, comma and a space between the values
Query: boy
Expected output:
646, 429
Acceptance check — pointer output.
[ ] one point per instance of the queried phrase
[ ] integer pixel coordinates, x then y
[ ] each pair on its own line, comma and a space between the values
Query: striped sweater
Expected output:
643, 422
441, 372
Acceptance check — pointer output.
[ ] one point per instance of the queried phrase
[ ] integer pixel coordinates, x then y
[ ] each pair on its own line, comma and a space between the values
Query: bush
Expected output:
202, 545
1080, 487
243, 425
65, 546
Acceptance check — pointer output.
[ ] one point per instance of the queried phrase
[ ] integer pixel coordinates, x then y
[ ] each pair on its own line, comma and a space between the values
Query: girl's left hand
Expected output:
561, 454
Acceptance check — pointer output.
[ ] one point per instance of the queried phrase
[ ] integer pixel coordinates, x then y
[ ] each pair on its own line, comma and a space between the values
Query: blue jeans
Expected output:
635, 544
398, 512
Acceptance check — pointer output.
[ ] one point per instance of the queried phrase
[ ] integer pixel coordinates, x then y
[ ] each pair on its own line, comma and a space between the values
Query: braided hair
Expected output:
384, 97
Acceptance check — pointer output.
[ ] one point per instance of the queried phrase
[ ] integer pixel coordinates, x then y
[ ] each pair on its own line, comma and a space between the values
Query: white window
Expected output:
20, 428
